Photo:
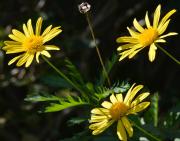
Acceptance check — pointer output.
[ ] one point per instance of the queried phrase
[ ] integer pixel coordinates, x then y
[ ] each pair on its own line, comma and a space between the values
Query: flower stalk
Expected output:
97, 49
65, 77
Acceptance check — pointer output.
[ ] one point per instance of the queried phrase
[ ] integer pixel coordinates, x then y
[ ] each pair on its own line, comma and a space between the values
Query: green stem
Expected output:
146, 132
168, 54
65, 77
97, 49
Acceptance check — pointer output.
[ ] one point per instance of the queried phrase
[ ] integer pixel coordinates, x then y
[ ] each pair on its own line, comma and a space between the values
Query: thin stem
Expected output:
168, 54
97, 49
146, 132
65, 77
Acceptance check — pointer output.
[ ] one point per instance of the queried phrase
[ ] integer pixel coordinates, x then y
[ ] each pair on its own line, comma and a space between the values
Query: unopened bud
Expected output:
84, 7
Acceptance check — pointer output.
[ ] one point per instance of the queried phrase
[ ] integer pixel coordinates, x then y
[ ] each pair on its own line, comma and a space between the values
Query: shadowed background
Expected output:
19, 120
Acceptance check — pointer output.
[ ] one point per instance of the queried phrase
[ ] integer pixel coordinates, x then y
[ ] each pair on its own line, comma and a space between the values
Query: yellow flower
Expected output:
145, 37
117, 110
30, 43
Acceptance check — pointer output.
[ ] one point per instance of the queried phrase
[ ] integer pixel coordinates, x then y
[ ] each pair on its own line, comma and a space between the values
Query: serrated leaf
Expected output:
64, 103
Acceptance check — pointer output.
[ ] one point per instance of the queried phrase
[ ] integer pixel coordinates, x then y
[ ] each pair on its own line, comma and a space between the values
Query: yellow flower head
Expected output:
117, 110
31, 43
144, 37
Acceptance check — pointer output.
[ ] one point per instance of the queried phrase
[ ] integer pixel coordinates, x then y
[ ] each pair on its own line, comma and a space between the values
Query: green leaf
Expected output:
65, 102
75, 121
42, 97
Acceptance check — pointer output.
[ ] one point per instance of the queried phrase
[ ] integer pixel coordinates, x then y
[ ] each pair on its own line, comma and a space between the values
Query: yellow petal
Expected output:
51, 34
147, 20
113, 99
138, 107
129, 97
12, 43
15, 38
100, 111
121, 131
169, 34
133, 33
30, 28
51, 47
39, 25
152, 52
126, 46
26, 32
14, 59
166, 17
126, 39
129, 93
29, 60
127, 125
134, 53
119, 97
156, 16
45, 53
97, 119
106, 104
138, 26
37, 56
18, 34
160, 41
140, 98
102, 127
22, 60
46, 31
163, 28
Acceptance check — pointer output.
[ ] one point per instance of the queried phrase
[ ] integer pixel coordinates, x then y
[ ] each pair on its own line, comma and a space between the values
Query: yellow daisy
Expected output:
31, 43
145, 37
117, 110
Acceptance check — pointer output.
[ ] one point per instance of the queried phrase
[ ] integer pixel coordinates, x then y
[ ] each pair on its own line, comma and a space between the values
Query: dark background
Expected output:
19, 120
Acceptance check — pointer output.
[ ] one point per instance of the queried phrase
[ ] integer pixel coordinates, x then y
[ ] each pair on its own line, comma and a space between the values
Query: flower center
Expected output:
118, 110
33, 44
148, 36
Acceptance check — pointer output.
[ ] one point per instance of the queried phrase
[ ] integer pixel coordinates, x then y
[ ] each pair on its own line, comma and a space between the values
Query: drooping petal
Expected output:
29, 60
134, 53
138, 107
152, 52
121, 131
37, 56
169, 34
138, 26
147, 20
127, 125
45, 53
106, 104
14, 59
156, 16
23, 59
38, 26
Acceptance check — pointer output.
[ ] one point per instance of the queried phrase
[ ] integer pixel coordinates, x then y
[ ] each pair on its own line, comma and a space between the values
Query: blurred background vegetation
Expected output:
20, 120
